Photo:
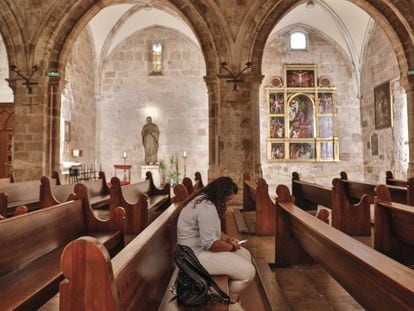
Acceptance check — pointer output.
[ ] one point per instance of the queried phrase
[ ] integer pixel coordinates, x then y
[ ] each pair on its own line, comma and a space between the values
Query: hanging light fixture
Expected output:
310, 4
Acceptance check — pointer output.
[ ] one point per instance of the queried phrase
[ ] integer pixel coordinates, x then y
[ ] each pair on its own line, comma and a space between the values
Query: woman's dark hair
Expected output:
217, 191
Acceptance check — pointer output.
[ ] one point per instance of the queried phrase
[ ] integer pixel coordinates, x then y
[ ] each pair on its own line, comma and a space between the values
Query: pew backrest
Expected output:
21, 193
30, 236
394, 228
249, 193
198, 181
374, 280
390, 180
188, 183
309, 195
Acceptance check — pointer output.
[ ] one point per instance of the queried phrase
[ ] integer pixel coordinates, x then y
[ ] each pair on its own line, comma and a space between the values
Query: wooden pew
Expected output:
135, 279
31, 245
198, 183
309, 195
142, 202
188, 184
394, 228
20, 193
249, 193
390, 180
355, 190
350, 215
256, 198
98, 191
180, 193
376, 281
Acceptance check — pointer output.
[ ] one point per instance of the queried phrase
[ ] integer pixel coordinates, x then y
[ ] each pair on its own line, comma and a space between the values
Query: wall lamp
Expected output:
235, 77
27, 80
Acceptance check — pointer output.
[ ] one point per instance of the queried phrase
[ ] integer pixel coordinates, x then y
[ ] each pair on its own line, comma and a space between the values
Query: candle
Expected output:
124, 155
184, 154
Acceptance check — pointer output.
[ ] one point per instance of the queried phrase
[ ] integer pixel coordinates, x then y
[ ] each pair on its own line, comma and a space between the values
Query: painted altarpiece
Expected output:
301, 117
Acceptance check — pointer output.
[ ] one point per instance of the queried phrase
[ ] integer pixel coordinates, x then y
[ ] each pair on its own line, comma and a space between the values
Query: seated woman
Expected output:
199, 228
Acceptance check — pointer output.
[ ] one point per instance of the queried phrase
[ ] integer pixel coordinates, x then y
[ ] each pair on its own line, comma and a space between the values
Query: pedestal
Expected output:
155, 171
126, 169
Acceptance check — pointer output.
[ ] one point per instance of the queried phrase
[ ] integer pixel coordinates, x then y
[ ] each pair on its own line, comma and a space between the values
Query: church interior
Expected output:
307, 105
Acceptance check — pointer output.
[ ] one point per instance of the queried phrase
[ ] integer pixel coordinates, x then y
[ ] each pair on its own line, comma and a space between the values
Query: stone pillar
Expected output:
30, 146
213, 87
234, 127
56, 85
410, 114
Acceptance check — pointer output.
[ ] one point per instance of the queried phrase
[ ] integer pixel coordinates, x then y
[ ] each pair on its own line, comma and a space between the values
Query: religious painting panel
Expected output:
383, 106
302, 151
276, 103
325, 103
300, 75
326, 127
301, 117
327, 150
277, 127
277, 151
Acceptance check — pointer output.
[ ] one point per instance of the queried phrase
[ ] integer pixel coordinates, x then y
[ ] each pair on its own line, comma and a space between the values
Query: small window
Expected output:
298, 40
157, 58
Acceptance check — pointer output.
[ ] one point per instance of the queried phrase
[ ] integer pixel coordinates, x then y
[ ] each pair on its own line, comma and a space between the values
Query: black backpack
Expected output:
194, 282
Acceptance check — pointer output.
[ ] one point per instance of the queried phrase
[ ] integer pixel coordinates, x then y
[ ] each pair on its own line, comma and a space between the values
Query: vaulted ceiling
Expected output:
338, 20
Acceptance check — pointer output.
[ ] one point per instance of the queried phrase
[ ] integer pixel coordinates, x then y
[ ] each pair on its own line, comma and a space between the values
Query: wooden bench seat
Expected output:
32, 243
17, 194
376, 281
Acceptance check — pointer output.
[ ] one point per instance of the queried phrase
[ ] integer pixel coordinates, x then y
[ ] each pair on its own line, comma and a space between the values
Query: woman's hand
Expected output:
234, 241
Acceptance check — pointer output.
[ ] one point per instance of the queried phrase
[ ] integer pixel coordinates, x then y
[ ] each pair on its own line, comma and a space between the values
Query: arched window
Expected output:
157, 49
298, 40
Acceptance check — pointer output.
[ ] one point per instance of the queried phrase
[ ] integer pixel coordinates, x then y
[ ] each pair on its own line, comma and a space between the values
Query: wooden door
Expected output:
6, 138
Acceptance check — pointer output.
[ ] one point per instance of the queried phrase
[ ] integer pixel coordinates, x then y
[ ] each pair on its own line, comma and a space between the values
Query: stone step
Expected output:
273, 294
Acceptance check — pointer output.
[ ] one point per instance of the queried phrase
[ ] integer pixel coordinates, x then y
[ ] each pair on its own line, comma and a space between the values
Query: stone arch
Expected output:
60, 31
14, 39
391, 16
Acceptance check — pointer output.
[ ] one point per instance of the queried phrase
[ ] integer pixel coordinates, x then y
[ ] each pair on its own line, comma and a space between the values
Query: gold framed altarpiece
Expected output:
302, 117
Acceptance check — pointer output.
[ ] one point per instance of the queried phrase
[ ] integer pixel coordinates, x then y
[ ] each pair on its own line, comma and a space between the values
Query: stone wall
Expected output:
380, 65
6, 93
78, 102
334, 63
177, 102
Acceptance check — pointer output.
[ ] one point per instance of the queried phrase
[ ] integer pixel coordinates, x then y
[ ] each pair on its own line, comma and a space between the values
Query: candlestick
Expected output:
124, 155
185, 165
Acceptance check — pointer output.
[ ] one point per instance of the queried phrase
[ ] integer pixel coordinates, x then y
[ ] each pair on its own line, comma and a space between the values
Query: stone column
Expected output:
30, 147
234, 127
213, 87
410, 114
55, 87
